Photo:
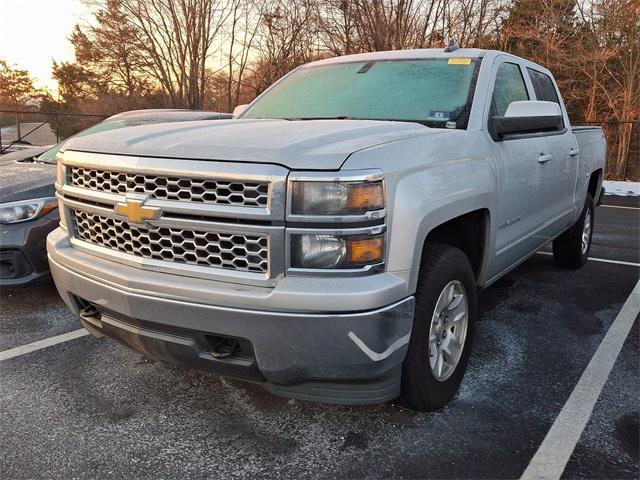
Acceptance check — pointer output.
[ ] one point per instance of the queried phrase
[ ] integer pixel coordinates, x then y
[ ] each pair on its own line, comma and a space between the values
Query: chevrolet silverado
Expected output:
330, 241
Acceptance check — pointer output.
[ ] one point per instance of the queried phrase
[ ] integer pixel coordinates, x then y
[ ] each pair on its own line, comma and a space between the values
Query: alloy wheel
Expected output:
448, 330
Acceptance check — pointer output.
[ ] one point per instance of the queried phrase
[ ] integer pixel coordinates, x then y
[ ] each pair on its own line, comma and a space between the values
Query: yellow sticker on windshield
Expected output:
459, 61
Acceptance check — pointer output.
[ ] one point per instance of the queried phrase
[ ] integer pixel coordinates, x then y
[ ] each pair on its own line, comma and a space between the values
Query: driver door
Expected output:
521, 200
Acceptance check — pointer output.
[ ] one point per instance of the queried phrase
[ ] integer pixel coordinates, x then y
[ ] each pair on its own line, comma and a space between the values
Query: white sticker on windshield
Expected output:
438, 116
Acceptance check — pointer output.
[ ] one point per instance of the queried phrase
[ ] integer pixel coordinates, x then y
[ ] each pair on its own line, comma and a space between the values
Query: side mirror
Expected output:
239, 110
529, 116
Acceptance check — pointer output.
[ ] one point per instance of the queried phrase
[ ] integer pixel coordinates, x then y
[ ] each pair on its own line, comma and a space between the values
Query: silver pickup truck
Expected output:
329, 242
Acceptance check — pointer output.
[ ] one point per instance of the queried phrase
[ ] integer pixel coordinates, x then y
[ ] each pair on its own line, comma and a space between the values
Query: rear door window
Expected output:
544, 88
509, 87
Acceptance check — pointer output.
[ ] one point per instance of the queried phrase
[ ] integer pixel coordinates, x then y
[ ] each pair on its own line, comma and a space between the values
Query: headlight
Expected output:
336, 198
24, 210
336, 251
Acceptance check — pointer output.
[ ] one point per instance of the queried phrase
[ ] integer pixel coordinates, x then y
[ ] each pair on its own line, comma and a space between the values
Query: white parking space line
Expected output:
555, 451
603, 260
40, 344
617, 262
620, 207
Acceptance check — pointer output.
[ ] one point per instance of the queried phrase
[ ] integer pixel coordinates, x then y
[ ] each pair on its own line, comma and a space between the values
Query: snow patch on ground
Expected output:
622, 188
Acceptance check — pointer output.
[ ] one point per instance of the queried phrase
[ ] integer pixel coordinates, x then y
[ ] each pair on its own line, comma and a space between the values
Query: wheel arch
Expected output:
450, 224
468, 232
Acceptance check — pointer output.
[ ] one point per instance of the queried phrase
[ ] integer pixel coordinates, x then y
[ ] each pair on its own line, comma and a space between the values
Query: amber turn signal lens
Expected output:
365, 196
49, 206
365, 250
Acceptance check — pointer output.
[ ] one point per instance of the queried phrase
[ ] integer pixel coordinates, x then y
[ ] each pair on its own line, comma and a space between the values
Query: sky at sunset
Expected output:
35, 32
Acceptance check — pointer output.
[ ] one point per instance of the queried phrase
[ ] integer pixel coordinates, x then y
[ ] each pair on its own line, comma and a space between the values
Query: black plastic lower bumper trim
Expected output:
223, 355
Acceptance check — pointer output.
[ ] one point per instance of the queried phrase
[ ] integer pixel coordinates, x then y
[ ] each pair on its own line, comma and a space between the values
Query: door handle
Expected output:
544, 158
574, 152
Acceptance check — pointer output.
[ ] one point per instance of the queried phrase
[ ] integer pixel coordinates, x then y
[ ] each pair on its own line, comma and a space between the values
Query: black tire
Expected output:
440, 265
568, 250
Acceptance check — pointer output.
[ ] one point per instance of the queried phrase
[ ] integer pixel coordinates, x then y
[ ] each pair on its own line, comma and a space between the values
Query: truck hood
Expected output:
24, 181
308, 144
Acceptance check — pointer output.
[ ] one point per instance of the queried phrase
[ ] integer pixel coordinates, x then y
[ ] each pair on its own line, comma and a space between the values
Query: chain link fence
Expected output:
23, 128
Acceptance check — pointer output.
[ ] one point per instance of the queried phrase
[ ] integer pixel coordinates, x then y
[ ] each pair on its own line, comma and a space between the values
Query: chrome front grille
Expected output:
198, 190
231, 251
213, 220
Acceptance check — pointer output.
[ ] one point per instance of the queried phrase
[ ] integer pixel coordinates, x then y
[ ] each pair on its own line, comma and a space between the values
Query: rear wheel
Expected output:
571, 249
442, 329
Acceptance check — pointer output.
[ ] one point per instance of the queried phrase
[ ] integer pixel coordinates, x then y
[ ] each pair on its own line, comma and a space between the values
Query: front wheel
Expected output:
571, 249
442, 329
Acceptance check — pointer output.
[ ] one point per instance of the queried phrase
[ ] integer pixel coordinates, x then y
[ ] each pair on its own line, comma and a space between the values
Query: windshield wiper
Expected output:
339, 117
425, 123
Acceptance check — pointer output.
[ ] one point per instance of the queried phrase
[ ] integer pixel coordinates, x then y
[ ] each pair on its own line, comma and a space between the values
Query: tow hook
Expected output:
90, 314
91, 319
223, 347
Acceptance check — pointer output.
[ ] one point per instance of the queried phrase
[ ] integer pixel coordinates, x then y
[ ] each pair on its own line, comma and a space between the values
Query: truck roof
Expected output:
418, 53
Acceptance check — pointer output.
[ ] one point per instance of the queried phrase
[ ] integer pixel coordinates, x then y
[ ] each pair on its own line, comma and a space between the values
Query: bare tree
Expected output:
469, 21
368, 25
244, 26
610, 59
395, 24
337, 23
287, 38
176, 38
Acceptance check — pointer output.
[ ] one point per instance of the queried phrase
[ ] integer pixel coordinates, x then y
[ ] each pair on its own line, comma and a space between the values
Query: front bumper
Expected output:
23, 254
326, 355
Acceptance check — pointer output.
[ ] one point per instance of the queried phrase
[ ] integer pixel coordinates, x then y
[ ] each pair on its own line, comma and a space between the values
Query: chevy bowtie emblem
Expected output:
135, 212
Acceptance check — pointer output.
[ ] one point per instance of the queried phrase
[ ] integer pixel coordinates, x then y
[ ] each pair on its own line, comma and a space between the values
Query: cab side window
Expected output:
509, 87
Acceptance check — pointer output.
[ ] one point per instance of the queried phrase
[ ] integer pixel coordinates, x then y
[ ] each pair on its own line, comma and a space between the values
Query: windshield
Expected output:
433, 92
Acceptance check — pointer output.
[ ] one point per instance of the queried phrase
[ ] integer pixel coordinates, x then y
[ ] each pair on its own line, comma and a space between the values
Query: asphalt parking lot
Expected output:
90, 408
